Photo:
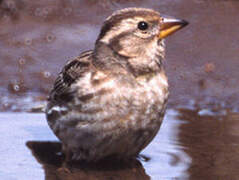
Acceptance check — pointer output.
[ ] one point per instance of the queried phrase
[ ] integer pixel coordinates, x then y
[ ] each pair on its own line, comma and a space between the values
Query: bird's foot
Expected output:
64, 169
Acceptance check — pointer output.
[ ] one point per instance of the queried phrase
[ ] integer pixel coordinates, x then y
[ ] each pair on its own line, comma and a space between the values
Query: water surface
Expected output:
191, 144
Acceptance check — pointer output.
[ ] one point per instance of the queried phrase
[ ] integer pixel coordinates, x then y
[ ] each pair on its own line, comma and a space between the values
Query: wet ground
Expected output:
199, 137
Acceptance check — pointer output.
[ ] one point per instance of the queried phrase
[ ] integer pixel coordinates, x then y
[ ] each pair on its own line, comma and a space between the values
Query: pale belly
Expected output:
117, 123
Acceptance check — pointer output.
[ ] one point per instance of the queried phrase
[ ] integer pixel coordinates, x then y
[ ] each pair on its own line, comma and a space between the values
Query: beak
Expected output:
170, 25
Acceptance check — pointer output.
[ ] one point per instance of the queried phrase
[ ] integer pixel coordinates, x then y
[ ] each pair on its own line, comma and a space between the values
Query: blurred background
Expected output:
199, 137
38, 37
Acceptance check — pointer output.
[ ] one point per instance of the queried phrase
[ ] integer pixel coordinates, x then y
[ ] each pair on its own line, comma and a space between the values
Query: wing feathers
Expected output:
72, 71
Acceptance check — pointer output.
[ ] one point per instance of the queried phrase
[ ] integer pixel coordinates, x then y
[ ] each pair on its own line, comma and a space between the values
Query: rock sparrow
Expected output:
110, 102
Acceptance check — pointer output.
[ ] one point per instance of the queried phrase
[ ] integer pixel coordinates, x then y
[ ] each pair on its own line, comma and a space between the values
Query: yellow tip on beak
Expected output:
170, 25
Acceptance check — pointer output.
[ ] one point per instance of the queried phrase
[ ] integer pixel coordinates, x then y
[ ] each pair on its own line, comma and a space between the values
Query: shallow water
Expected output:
191, 144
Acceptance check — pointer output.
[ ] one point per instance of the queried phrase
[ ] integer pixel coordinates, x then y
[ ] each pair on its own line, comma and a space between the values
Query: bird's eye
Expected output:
143, 25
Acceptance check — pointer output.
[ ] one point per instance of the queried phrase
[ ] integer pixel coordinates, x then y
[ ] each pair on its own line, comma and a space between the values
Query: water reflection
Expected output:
49, 155
164, 158
191, 144
212, 141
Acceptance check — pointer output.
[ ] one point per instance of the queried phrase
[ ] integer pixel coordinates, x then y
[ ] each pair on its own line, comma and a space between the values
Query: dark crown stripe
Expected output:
115, 19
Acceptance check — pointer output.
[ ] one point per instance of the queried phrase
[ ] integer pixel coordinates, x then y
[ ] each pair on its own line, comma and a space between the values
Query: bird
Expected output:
110, 101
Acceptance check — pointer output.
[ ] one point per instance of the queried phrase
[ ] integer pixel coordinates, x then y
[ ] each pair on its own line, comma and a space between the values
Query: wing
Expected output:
72, 71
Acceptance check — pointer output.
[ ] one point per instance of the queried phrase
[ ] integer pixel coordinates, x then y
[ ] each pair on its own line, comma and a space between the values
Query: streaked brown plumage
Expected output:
111, 101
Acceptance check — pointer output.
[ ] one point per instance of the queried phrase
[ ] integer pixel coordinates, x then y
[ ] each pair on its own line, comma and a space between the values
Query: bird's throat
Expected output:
105, 58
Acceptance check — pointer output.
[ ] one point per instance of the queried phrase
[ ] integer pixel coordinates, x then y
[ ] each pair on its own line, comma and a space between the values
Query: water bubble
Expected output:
22, 61
16, 87
46, 74
50, 37
28, 41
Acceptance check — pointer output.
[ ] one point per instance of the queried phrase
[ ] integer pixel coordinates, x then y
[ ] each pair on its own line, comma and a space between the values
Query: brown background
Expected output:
38, 37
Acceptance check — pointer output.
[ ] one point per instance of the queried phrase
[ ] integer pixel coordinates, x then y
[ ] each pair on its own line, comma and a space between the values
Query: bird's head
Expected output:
137, 34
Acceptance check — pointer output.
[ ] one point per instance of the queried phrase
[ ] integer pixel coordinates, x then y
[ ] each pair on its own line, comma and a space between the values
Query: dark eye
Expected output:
143, 25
